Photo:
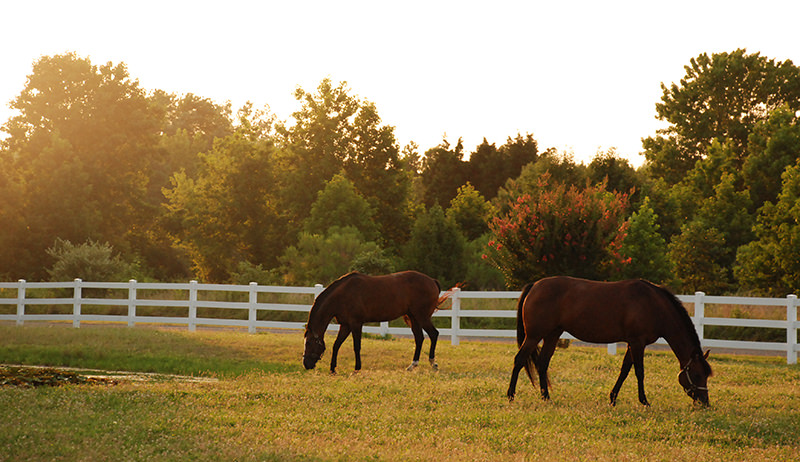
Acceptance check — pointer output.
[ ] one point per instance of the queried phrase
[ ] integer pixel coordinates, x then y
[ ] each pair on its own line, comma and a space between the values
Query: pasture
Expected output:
255, 402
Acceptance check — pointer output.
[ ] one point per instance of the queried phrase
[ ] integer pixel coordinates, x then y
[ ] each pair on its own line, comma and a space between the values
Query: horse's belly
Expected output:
611, 335
592, 336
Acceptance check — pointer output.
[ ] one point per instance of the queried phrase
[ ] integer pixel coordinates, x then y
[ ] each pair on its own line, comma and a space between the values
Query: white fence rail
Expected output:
78, 294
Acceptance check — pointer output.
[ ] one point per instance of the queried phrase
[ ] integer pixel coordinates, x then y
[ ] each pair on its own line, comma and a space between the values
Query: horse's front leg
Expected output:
627, 362
357, 345
344, 331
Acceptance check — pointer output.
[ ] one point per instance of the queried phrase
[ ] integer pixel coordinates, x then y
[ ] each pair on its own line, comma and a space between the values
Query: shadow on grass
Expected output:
138, 349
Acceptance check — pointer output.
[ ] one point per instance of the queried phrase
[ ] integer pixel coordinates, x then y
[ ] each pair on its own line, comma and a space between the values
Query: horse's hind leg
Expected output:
523, 358
418, 338
637, 354
433, 334
543, 362
627, 362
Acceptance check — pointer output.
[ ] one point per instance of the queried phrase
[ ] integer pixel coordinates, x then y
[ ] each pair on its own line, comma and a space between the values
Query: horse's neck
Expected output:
319, 319
682, 343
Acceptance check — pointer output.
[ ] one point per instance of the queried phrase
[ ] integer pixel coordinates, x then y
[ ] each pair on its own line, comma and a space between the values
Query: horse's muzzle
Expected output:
309, 363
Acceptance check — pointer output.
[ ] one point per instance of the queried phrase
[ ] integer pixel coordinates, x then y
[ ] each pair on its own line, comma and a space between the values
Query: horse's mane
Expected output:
684, 316
328, 291
680, 310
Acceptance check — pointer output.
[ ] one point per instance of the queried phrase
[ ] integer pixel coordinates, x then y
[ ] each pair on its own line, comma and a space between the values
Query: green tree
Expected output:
615, 172
13, 256
693, 254
773, 145
488, 167
436, 247
560, 230
480, 273
725, 221
645, 247
722, 96
230, 211
80, 151
373, 261
470, 211
196, 116
771, 263
340, 205
321, 259
443, 172
334, 131
375, 168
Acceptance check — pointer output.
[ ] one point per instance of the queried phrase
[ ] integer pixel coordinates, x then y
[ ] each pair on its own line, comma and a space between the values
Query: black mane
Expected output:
687, 320
328, 291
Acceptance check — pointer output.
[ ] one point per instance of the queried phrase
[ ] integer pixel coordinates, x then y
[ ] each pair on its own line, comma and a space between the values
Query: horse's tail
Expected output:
520, 326
447, 294
530, 363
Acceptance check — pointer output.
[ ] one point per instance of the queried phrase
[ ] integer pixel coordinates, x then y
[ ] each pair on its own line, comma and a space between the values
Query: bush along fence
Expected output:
736, 323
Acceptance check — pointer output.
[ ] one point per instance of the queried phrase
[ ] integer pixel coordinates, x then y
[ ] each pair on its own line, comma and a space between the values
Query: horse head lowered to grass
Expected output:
636, 312
356, 298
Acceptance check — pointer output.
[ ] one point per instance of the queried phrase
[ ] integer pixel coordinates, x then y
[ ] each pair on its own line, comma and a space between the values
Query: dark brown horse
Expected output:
355, 298
636, 312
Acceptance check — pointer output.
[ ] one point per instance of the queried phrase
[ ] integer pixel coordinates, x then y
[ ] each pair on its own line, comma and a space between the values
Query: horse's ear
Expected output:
705, 356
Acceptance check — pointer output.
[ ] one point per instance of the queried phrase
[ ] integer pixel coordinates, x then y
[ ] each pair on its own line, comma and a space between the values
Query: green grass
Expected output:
265, 407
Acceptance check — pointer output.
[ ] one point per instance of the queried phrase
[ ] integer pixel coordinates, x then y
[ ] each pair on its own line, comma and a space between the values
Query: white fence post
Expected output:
251, 308
455, 316
76, 304
612, 348
699, 314
20, 301
791, 329
192, 306
131, 303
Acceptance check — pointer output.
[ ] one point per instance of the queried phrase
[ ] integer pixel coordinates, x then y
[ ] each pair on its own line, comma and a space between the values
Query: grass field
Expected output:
258, 403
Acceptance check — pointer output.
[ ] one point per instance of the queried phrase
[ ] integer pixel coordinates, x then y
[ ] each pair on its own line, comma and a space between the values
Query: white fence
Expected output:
188, 297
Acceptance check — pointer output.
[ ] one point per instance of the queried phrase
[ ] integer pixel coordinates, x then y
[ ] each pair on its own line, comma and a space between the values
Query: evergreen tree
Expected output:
645, 247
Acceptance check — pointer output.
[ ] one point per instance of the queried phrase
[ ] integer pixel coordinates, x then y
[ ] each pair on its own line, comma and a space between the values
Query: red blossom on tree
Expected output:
560, 230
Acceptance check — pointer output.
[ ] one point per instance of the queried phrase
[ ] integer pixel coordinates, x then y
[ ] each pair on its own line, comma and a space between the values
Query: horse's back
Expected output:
384, 297
594, 311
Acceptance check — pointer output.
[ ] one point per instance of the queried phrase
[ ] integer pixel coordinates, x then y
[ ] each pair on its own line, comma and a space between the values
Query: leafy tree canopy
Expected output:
722, 96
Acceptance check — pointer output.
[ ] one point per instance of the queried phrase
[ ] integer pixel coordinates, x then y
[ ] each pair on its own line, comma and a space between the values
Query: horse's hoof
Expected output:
412, 366
434, 366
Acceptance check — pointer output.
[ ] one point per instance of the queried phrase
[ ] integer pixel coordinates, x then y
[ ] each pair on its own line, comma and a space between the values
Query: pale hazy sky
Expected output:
579, 75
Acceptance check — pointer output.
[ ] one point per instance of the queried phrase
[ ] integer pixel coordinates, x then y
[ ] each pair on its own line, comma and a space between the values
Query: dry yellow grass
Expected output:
276, 411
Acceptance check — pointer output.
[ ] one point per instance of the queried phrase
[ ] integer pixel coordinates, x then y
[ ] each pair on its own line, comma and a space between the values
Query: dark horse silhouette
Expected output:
355, 298
636, 312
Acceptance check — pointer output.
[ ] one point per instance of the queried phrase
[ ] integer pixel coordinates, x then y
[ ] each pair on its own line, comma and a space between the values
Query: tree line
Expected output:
102, 179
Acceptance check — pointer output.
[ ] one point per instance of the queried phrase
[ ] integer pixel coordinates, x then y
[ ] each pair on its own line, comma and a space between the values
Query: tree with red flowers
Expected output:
560, 230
